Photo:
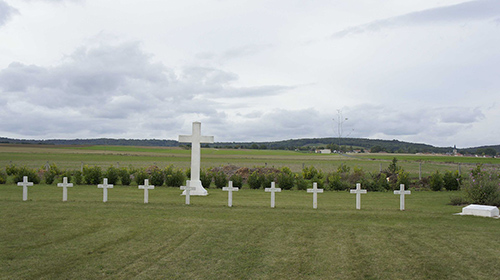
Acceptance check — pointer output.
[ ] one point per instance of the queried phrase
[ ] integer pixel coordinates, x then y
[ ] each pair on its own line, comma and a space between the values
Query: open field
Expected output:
72, 157
84, 238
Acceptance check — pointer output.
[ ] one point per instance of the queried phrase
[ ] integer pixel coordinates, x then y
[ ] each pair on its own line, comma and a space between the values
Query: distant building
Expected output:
324, 151
455, 152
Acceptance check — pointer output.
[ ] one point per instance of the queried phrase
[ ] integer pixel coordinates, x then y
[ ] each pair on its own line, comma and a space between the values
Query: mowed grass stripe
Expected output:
46, 238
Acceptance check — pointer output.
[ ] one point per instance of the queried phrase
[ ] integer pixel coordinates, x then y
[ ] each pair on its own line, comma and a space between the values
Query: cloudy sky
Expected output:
424, 71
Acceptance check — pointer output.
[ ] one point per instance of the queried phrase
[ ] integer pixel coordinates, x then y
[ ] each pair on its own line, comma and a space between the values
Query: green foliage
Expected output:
25, 171
174, 177
436, 181
78, 177
309, 172
113, 174
92, 175
255, 180
66, 174
11, 169
393, 167
482, 187
140, 175
301, 183
3, 177
403, 178
205, 178
49, 177
157, 176
335, 182
267, 180
343, 169
459, 200
286, 178
124, 176
220, 179
452, 180
237, 180
377, 183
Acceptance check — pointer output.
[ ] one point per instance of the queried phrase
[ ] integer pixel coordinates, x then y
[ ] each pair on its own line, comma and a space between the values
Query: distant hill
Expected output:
390, 146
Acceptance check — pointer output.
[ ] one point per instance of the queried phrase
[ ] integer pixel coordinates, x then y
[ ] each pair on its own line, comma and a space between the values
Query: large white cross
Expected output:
315, 192
25, 184
230, 191
195, 139
187, 191
402, 193
146, 187
65, 185
105, 186
272, 190
358, 191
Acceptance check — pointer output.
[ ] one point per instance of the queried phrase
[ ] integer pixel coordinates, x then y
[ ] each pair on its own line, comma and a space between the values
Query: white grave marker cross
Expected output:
272, 190
65, 185
105, 186
315, 192
187, 191
25, 184
358, 191
402, 193
195, 139
146, 187
230, 191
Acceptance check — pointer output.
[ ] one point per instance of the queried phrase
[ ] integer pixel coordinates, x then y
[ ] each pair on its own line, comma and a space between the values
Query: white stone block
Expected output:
480, 210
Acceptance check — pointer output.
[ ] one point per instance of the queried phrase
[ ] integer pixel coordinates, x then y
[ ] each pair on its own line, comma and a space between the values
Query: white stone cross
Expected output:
402, 193
65, 185
230, 191
146, 187
272, 190
195, 139
315, 192
105, 186
187, 191
25, 184
358, 191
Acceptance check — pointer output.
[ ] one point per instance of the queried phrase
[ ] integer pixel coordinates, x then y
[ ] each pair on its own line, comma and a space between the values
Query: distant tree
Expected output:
377, 149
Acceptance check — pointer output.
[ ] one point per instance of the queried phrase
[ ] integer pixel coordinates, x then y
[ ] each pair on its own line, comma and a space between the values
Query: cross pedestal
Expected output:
25, 184
195, 139
105, 186
65, 185
315, 192
230, 191
187, 191
272, 190
402, 193
358, 191
146, 187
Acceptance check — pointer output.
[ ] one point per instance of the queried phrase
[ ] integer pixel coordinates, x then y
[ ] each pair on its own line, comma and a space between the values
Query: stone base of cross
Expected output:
196, 188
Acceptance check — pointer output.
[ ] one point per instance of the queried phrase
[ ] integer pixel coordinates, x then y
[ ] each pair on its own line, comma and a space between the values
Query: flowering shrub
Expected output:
482, 187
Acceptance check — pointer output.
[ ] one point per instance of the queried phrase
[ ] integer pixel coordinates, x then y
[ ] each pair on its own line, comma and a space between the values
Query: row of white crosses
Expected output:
188, 189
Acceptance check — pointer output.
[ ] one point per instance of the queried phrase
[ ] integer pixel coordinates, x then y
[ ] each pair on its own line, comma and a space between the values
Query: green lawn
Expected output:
84, 238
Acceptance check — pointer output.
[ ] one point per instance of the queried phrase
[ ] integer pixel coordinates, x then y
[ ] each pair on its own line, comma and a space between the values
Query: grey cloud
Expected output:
6, 12
111, 91
460, 115
473, 10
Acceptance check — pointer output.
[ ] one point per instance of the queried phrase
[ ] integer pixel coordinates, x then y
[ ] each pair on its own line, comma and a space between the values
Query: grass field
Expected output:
71, 157
84, 238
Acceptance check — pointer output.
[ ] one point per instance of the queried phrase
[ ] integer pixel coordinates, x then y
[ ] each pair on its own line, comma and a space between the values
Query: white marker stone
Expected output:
105, 186
146, 187
25, 184
230, 191
65, 185
272, 190
187, 191
315, 192
402, 193
358, 191
195, 139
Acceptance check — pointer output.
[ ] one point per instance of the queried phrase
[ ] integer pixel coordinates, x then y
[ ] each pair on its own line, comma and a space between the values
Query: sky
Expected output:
424, 71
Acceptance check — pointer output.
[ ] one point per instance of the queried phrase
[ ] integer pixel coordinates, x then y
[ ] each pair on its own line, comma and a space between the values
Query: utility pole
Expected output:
340, 129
